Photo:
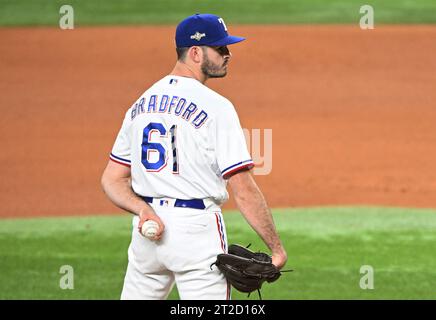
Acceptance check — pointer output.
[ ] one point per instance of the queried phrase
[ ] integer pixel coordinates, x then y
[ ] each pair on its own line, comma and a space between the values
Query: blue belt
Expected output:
193, 203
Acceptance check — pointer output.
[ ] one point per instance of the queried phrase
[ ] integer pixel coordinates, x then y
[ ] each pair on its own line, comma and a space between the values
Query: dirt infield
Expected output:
353, 112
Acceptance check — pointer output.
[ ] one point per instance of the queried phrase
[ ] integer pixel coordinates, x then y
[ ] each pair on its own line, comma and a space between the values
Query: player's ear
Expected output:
195, 54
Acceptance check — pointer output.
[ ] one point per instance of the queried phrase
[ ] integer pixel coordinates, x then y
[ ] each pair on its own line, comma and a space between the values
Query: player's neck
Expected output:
183, 70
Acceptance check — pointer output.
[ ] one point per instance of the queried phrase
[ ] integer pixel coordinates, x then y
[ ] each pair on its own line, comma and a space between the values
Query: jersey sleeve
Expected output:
121, 152
231, 148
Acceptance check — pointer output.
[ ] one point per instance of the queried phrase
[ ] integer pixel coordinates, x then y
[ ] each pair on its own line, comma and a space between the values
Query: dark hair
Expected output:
181, 53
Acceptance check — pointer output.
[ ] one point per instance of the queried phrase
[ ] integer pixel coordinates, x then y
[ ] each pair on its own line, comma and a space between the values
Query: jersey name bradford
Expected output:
175, 105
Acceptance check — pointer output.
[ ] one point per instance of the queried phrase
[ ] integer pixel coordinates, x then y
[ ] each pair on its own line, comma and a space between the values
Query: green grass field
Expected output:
115, 12
326, 246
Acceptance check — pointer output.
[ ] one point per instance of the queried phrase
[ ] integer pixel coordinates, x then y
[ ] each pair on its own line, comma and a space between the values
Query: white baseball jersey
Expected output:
181, 140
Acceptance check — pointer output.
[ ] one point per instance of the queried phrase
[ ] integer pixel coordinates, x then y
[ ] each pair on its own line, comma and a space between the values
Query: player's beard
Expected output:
212, 70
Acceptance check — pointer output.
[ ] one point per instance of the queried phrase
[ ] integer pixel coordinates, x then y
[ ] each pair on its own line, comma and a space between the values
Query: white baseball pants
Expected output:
191, 241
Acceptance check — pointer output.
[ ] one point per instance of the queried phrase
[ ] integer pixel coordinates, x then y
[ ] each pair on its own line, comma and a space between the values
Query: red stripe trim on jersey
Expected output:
219, 232
123, 164
119, 158
236, 165
244, 166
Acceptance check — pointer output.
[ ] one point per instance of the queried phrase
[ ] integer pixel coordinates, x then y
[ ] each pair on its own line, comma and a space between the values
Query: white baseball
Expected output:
149, 228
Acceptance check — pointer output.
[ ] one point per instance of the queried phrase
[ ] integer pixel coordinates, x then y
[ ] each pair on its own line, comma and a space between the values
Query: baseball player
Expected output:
179, 146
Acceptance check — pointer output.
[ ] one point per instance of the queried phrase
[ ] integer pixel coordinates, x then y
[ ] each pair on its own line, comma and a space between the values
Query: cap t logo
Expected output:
197, 36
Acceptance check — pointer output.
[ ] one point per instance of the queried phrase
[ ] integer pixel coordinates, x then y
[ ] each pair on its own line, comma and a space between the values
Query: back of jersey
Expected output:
181, 140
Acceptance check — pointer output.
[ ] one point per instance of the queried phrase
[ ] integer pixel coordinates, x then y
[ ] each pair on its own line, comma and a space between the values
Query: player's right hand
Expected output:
147, 213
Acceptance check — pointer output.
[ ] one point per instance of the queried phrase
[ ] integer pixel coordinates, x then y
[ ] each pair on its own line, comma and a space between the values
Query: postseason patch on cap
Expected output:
197, 36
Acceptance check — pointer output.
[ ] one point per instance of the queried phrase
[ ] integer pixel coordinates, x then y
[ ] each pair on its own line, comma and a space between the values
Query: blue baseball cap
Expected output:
204, 30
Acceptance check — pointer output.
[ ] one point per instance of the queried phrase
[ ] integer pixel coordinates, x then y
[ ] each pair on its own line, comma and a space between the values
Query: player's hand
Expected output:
279, 258
148, 213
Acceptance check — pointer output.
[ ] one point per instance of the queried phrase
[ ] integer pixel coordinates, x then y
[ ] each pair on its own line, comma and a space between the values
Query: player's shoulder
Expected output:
216, 104
191, 87
140, 101
215, 97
